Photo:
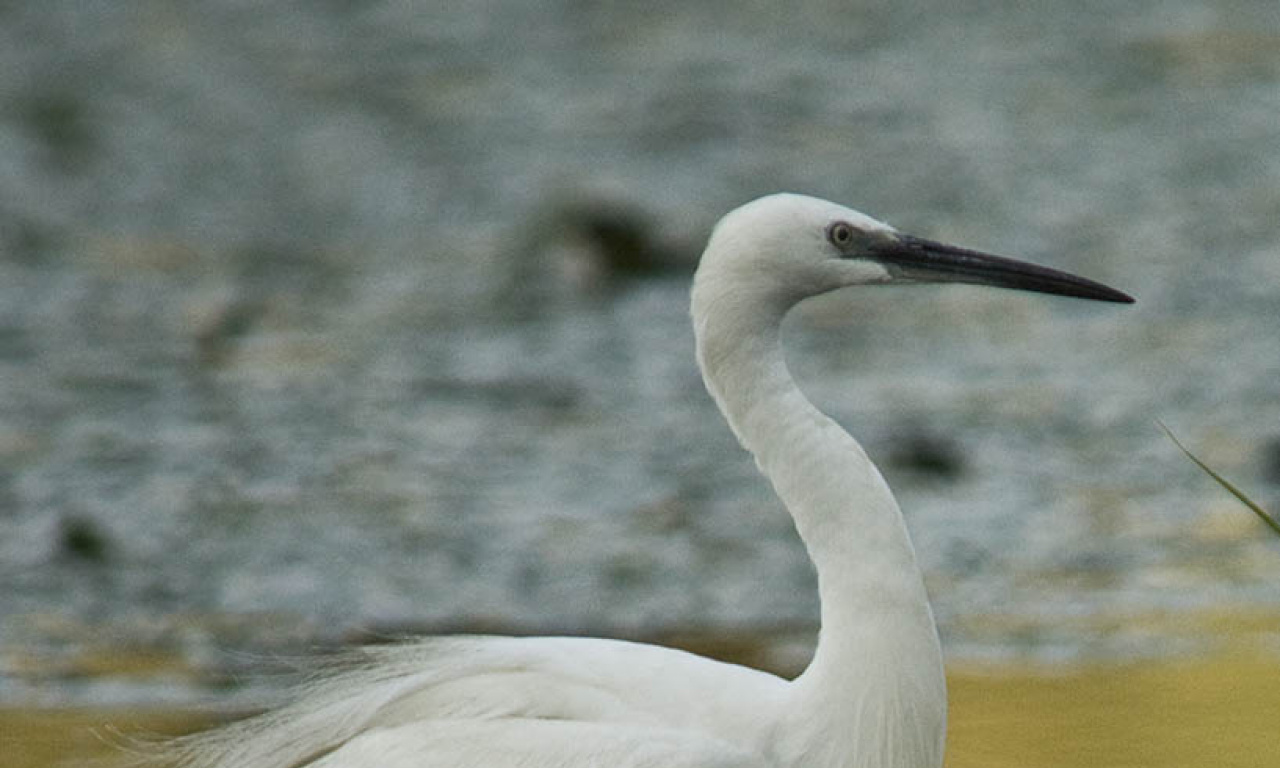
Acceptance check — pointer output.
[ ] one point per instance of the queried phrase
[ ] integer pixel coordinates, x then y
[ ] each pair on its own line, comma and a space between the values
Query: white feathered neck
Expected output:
878, 655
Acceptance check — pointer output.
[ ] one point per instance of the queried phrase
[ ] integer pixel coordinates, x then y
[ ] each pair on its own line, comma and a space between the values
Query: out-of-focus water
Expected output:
294, 339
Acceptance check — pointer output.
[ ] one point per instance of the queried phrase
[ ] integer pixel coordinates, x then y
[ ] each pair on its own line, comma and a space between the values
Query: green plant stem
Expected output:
1222, 481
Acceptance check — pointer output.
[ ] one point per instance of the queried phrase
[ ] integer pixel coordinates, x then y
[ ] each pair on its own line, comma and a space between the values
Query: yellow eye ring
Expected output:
840, 234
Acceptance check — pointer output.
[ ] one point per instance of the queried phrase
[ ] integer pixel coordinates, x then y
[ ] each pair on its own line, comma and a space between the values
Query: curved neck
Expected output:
878, 665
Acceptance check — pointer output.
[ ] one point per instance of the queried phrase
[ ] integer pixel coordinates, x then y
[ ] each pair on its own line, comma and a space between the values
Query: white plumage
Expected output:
874, 693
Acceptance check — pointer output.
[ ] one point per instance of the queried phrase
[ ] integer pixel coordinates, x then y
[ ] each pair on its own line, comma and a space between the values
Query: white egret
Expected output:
874, 692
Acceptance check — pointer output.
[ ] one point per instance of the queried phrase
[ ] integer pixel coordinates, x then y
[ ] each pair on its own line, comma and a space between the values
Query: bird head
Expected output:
781, 249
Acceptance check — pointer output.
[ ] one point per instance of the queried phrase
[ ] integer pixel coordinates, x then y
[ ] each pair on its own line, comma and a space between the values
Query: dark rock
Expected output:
928, 455
79, 538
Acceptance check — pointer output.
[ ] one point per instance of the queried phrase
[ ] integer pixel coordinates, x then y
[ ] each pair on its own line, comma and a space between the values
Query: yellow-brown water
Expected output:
1219, 712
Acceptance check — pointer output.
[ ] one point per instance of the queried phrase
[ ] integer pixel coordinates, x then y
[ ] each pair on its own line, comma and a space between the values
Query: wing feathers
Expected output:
457, 695
526, 743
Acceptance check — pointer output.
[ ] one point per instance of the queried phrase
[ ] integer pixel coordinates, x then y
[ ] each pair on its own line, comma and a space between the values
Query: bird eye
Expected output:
840, 234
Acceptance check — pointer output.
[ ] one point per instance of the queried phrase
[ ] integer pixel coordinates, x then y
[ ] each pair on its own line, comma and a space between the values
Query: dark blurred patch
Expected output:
927, 455
1271, 460
80, 539
621, 240
217, 335
24, 241
580, 244
59, 121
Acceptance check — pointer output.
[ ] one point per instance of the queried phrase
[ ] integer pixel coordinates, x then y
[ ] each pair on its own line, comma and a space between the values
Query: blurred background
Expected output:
328, 321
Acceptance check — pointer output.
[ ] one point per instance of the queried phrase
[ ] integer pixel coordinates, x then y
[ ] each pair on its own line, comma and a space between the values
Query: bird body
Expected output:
874, 693
497, 701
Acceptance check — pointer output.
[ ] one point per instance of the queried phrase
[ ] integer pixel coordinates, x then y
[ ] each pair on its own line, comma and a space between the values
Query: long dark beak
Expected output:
915, 258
